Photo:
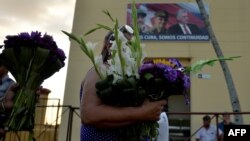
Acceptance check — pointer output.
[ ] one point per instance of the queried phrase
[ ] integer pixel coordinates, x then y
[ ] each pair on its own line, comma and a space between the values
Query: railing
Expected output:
45, 131
46, 126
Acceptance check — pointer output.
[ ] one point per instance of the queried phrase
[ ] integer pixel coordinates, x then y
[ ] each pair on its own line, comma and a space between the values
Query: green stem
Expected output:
97, 70
119, 46
137, 42
16, 105
22, 113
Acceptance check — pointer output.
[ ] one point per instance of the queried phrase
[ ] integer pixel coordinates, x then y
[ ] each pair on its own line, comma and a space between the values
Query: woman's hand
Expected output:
152, 110
8, 102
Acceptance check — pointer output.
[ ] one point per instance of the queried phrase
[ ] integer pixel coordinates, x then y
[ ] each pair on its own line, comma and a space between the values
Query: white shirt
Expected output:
163, 128
184, 27
6, 82
209, 134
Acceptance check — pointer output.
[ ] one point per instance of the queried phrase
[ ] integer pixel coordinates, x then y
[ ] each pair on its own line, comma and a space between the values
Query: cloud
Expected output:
45, 15
50, 16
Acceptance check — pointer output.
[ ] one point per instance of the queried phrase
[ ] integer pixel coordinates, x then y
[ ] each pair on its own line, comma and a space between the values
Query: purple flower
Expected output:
187, 100
170, 74
148, 67
168, 79
24, 36
161, 66
35, 35
186, 81
33, 40
12, 41
48, 42
175, 62
179, 74
60, 54
160, 69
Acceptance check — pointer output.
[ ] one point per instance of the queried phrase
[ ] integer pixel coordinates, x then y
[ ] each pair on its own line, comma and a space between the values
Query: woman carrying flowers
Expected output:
118, 99
101, 121
122, 97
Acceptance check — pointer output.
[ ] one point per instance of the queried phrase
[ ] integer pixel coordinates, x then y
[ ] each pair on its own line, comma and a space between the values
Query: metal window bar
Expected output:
16, 136
42, 130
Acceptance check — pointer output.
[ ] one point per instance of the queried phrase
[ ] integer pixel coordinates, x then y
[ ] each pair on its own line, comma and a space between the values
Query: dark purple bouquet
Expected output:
30, 58
162, 78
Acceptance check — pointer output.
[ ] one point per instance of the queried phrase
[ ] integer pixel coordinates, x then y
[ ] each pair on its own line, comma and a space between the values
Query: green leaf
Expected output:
91, 31
148, 76
132, 81
136, 44
40, 58
105, 83
109, 15
85, 49
52, 67
20, 110
72, 36
198, 66
105, 27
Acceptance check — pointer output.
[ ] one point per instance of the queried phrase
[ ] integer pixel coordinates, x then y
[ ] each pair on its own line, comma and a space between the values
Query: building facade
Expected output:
230, 21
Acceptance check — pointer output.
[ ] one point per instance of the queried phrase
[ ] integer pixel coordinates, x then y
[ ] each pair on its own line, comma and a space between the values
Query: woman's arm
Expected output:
94, 112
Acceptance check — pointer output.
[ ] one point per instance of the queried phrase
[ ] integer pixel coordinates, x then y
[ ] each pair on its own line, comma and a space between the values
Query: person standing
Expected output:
141, 23
163, 128
5, 81
6, 101
226, 121
101, 121
8, 87
160, 21
183, 27
208, 132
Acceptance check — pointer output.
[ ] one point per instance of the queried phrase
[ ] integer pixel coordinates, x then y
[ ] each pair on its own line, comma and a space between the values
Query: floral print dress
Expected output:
90, 133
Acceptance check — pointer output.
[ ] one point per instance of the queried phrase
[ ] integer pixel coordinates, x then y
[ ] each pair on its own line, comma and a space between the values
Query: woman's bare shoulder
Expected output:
91, 71
91, 76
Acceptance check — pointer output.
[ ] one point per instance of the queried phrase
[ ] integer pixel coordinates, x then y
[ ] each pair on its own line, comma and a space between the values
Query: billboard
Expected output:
169, 21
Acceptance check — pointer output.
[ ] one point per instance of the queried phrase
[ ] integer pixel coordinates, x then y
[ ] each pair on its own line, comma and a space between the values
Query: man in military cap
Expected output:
142, 26
159, 23
160, 20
